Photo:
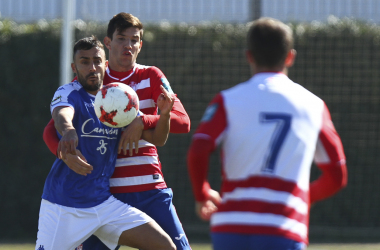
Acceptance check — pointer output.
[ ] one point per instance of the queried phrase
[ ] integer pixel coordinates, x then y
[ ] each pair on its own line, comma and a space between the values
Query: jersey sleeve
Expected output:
330, 158
62, 97
179, 119
207, 136
50, 137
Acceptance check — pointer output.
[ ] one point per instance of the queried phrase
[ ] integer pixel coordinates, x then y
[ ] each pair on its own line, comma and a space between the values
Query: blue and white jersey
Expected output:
97, 142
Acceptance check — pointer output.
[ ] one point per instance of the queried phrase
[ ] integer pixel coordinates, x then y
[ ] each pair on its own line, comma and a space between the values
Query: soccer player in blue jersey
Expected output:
75, 206
138, 178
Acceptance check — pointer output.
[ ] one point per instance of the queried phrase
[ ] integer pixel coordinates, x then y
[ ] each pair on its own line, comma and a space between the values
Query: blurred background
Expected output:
199, 45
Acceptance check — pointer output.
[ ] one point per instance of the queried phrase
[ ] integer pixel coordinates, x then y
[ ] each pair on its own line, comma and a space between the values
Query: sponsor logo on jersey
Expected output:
210, 112
166, 85
41, 247
156, 176
56, 100
99, 132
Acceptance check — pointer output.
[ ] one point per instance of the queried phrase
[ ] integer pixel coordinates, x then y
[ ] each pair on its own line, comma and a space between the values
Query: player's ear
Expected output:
106, 63
290, 58
73, 68
249, 57
107, 42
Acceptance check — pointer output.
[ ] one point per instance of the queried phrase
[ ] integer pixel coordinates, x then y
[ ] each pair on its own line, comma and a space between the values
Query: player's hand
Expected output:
131, 136
68, 143
78, 163
205, 209
165, 101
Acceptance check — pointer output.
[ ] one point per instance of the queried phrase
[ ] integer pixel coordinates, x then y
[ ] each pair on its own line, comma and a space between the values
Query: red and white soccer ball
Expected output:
116, 105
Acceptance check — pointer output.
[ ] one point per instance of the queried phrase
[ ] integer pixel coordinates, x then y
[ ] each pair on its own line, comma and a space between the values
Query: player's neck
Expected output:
119, 74
120, 68
256, 70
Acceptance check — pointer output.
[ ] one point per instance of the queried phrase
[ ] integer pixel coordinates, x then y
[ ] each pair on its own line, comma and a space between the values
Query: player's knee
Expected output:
170, 246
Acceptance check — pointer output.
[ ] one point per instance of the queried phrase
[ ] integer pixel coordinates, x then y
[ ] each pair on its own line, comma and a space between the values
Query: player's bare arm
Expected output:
134, 132
63, 117
159, 135
67, 151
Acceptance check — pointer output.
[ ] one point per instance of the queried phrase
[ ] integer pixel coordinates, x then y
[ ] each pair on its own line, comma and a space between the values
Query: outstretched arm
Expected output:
63, 117
66, 150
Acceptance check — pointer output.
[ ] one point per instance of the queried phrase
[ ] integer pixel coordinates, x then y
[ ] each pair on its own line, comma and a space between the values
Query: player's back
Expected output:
273, 126
268, 147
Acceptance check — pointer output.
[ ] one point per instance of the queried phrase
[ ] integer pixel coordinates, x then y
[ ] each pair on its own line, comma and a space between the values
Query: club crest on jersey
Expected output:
133, 85
56, 100
166, 85
210, 112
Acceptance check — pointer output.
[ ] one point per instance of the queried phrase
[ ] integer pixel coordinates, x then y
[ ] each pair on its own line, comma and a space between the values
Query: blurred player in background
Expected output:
270, 129
138, 179
75, 206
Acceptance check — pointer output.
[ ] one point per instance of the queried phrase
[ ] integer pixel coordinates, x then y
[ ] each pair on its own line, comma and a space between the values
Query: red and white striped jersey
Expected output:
141, 171
270, 130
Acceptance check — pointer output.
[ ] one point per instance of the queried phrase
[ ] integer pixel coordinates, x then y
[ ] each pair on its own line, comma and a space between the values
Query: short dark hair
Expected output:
87, 43
123, 21
269, 41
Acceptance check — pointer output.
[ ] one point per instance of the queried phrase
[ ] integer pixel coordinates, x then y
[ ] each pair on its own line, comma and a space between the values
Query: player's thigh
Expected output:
116, 218
162, 210
226, 241
61, 227
147, 236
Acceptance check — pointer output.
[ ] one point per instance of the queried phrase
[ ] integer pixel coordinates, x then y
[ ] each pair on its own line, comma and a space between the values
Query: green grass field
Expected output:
208, 247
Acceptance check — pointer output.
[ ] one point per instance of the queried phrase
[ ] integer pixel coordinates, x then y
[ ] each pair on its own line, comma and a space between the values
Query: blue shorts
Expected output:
157, 204
228, 241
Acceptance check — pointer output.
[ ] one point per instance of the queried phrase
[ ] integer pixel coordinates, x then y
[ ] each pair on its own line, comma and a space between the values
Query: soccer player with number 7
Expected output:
270, 130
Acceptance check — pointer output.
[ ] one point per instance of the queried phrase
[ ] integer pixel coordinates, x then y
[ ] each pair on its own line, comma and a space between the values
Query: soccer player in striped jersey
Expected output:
137, 179
270, 130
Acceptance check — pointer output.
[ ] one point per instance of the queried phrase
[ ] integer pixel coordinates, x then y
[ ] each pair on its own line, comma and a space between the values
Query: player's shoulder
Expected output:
238, 88
150, 70
69, 88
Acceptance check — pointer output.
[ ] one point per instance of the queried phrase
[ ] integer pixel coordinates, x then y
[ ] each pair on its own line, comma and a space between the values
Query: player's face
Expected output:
89, 66
123, 49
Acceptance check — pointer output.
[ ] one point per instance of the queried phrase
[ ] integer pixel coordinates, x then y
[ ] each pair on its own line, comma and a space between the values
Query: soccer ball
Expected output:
116, 105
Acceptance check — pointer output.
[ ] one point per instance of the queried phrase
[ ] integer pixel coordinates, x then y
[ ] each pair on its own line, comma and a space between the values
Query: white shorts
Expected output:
65, 228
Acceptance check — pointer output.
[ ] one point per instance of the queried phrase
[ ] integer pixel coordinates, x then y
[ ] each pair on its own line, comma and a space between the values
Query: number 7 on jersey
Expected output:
282, 122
